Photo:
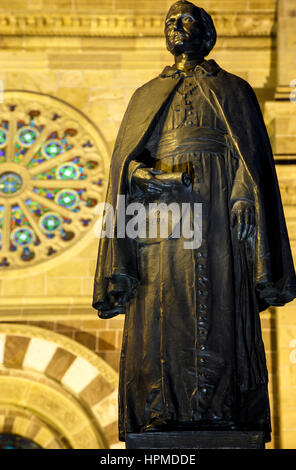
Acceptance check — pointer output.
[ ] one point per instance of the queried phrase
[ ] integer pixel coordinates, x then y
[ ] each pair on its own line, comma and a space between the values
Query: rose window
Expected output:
52, 175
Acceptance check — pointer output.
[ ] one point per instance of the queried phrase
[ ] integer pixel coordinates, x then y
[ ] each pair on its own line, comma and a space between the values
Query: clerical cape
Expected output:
157, 379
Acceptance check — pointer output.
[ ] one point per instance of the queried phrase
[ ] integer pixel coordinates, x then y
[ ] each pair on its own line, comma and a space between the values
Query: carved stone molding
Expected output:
227, 24
61, 341
79, 400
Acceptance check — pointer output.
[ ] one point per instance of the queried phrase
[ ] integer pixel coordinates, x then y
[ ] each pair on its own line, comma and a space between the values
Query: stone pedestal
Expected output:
196, 440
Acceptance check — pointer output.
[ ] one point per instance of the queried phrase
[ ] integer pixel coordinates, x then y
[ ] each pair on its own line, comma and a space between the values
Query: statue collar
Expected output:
206, 68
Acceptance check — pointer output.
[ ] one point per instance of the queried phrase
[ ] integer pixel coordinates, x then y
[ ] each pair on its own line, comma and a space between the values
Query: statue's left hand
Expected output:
116, 298
243, 219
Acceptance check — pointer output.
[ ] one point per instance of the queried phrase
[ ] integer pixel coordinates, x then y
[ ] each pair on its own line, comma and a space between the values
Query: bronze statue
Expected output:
192, 353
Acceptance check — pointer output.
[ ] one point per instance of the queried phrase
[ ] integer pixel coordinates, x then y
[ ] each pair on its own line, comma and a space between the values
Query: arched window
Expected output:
52, 175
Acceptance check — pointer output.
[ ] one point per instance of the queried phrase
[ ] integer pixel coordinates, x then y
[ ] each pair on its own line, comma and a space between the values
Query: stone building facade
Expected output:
68, 69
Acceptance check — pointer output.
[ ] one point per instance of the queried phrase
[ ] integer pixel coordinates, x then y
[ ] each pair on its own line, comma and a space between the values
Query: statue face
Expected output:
183, 29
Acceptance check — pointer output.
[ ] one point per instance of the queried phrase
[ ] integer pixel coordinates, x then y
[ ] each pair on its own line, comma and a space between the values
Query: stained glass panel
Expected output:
14, 441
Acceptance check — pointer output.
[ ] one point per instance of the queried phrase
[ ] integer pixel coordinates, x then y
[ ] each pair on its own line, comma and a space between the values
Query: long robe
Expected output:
192, 350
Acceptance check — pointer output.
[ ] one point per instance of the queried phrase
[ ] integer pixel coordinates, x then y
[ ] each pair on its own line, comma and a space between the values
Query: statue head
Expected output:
189, 29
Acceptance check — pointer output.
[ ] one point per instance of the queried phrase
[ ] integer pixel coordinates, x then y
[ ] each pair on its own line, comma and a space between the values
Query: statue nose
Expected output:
178, 25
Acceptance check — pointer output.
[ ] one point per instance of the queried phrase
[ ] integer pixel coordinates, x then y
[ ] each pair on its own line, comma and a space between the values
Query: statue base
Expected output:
196, 440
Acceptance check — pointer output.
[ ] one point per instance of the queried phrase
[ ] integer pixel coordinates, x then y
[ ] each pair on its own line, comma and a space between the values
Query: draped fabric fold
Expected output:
249, 346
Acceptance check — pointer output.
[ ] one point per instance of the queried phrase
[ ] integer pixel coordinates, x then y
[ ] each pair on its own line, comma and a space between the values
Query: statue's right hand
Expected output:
114, 305
145, 180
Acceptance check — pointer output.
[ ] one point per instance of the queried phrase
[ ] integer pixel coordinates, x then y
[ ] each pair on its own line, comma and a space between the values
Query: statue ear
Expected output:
208, 44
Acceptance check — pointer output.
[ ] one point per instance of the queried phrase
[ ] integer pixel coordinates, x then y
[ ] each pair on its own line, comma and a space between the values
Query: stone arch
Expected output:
17, 420
61, 383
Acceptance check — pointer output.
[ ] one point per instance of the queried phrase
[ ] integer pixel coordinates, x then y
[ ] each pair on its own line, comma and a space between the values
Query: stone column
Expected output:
286, 48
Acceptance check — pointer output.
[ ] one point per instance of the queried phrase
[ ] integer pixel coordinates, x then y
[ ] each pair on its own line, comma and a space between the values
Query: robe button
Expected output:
202, 316
203, 292
204, 390
203, 375
202, 347
203, 280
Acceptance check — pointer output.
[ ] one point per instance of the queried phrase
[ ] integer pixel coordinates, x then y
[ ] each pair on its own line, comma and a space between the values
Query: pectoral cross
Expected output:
184, 112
